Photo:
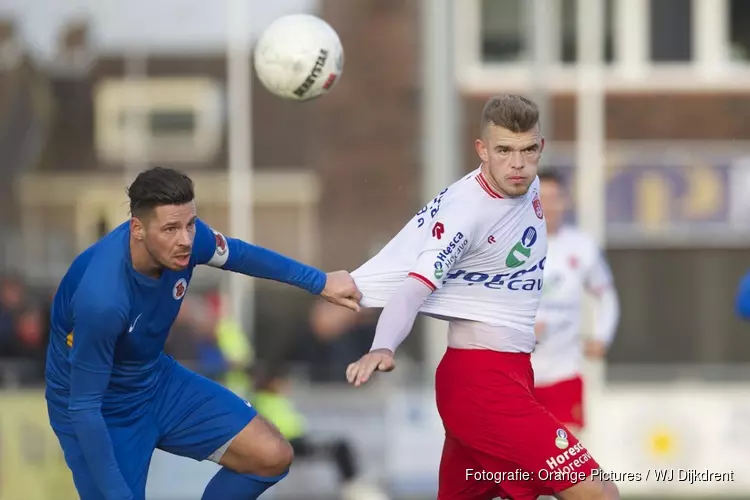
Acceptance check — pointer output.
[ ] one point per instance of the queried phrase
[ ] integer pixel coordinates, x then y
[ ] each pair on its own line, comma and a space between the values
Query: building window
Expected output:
504, 30
671, 31
503, 27
739, 30
569, 15
161, 120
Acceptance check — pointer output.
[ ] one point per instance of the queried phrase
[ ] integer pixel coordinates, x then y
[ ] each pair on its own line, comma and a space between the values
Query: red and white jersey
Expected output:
575, 265
482, 254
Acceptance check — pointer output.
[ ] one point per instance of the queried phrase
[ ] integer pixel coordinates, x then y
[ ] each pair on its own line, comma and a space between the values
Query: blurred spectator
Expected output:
11, 303
271, 400
335, 337
192, 340
22, 337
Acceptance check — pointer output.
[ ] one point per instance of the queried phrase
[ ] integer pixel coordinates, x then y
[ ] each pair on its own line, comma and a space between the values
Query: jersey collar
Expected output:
482, 180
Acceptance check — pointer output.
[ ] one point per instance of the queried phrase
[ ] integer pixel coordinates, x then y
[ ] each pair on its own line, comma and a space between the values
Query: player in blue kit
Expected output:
114, 396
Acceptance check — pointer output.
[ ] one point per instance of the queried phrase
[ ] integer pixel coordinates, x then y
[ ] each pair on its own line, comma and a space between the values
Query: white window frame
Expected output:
202, 96
631, 71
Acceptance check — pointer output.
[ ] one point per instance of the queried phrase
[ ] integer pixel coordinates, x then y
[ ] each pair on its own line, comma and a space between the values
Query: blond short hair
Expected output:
510, 111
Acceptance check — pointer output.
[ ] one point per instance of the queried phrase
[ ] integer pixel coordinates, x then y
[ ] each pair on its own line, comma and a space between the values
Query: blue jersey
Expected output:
742, 299
109, 325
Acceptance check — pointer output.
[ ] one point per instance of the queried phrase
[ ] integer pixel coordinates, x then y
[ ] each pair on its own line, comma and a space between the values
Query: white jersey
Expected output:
575, 265
483, 256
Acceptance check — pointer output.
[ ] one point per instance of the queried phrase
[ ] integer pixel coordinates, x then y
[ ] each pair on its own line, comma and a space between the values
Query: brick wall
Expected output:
366, 132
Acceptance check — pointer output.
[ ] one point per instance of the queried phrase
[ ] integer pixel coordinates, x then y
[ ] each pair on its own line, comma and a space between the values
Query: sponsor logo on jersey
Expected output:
569, 460
537, 206
437, 230
455, 248
179, 289
561, 441
521, 251
439, 272
515, 281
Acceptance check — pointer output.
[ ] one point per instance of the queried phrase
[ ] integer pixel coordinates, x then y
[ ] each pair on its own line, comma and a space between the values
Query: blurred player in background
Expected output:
476, 256
742, 300
114, 396
272, 400
575, 265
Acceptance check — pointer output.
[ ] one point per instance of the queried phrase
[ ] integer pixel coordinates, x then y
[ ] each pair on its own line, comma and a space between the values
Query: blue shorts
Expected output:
189, 415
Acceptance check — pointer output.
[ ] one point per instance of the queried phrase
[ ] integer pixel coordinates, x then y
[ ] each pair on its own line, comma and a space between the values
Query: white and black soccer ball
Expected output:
299, 57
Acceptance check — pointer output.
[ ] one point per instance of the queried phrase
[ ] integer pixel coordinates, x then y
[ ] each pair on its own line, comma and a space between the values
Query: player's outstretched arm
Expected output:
97, 328
600, 283
213, 249
394, 325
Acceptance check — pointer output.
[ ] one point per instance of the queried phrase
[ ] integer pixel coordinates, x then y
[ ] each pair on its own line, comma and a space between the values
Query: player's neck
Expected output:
491, 181
142, 262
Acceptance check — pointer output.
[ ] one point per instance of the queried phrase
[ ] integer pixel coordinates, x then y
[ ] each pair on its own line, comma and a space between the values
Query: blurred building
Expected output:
341, 174
86, 102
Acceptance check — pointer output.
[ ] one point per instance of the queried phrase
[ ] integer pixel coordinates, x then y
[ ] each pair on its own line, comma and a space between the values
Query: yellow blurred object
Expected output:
32, 466
662, 442
236, 348
280, 411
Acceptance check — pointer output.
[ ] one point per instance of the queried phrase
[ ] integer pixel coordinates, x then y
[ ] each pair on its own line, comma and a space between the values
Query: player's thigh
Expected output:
591, 489
565, 401
133, 447
82, 476
462, 477
199, 418
259, 449
544, 448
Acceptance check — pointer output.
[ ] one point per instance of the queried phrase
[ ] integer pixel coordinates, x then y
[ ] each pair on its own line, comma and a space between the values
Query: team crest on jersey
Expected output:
178, 292
537, 206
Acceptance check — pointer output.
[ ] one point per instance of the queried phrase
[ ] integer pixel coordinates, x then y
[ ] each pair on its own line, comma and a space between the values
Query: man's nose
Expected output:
185, 238
517, 160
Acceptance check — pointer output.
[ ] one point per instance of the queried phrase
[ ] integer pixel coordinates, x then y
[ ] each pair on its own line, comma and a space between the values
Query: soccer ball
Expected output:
299, 57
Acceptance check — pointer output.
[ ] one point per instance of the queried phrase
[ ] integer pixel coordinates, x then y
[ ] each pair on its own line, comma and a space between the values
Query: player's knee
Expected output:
593, 489
259, 449
610, 491
273, 459
278, 459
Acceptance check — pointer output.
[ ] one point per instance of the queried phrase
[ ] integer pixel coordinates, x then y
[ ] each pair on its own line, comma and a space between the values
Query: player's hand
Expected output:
360, 371
595, 349
341, 290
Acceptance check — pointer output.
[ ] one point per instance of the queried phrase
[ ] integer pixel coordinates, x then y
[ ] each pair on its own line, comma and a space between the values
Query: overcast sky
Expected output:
163, 25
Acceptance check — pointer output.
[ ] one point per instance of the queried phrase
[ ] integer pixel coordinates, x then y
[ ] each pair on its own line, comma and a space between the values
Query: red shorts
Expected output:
499, 440
564, 400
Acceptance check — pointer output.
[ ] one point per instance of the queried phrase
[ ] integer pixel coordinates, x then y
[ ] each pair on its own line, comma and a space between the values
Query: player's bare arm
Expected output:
394, 325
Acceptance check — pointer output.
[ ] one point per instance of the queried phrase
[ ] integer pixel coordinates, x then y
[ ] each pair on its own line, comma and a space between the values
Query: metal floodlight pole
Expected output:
590, 145
441, 131
240, 168
542, 32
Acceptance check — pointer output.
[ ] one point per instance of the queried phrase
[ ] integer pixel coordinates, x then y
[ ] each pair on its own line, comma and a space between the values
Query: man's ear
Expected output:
481, 150
137, 229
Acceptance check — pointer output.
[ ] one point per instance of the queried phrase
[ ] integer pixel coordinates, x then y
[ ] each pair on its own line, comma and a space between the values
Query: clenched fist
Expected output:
359, 372
341, 290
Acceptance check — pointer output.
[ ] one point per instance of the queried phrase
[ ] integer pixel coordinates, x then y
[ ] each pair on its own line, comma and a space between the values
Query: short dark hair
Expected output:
157, 187
552, 175
510, 111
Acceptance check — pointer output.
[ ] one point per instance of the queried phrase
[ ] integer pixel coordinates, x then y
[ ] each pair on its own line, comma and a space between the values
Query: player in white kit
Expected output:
575, 266
475, 256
